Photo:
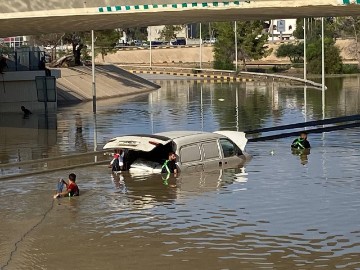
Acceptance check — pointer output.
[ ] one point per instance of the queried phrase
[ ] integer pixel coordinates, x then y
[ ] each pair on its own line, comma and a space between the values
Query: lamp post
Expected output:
150, 60
305, 49
322, 68
236, 50
200, 41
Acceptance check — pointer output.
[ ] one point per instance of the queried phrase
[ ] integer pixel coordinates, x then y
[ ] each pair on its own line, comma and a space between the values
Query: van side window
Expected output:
229, 148
190, 153
211, 150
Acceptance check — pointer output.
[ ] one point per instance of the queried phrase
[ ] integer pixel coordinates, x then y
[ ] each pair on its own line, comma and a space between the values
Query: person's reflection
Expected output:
169, 179
80, 144
119, 182
303, 155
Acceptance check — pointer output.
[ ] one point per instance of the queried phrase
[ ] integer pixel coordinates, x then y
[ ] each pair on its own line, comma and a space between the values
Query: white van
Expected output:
195, 151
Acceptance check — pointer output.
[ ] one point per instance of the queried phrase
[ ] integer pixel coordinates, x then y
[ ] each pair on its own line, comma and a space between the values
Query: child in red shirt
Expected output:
71, 188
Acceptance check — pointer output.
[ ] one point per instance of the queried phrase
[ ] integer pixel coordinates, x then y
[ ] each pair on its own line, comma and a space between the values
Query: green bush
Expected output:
350, 69
333, 61
295, 52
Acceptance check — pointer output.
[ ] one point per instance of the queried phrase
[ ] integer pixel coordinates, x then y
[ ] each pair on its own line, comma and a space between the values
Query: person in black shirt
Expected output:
170, 165
301, 142
25, 111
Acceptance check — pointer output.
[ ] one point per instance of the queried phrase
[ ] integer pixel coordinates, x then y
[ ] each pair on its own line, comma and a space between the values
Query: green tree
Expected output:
136, 33
250, 40
224, 46
53, 40
105, 41
169, 32
295, 52
313, 28
76, 39
333, 61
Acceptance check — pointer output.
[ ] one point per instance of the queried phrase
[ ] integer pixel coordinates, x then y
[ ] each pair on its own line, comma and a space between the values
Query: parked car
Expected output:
195, 151
179, 41
138, 43
210, 41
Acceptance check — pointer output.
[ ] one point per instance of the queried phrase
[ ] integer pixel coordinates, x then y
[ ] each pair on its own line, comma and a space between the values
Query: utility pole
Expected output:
236, 50
200, 41
305, 49
150, 64
322, 67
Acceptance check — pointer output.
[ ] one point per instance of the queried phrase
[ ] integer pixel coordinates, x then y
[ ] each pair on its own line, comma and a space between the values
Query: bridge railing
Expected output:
231, 73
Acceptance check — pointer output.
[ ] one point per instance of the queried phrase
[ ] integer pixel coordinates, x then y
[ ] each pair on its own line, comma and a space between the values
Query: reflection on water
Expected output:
282, 211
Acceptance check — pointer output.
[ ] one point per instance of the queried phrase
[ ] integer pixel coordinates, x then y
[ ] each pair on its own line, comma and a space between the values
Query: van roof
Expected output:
188, 136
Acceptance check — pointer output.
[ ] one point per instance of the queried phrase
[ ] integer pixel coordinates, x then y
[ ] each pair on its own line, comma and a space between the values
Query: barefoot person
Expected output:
71, 188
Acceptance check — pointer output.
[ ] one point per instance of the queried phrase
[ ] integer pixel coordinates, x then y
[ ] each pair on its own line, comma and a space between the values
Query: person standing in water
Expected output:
301, 142
169, 165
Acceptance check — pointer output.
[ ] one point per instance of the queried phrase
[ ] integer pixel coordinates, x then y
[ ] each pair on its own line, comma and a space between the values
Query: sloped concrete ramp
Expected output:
75, 84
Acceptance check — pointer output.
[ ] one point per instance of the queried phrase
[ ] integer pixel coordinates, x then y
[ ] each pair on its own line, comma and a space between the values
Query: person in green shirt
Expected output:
301, 142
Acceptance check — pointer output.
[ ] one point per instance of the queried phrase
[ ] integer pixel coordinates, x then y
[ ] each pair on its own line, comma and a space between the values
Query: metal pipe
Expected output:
304, 49
322, 68
200, 41
93, 70
150, 48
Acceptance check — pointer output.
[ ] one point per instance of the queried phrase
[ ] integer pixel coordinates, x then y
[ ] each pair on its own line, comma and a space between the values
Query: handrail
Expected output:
44, 160
285, 77
232, 72
334, 120
294, 133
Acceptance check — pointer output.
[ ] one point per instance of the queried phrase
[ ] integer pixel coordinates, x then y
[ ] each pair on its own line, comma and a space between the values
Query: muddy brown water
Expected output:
281, 211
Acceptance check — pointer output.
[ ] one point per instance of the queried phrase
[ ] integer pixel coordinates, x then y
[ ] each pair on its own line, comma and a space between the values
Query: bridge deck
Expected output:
22, 17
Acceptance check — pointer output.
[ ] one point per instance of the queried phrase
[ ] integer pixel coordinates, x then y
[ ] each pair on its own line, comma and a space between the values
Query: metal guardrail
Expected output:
232, 73
24, 59
312, 83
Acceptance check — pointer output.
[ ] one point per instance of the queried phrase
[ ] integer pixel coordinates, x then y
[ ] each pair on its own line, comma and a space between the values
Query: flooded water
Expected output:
281, 211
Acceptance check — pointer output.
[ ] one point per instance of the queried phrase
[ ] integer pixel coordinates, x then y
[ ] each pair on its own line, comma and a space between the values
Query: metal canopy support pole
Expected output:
95, 138
305, 72
236, 50
322, 67
200, 41
150, 48
93, 70
305, 49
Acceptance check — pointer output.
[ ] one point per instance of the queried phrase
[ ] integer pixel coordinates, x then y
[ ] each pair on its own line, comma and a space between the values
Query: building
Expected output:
14, 42
285, 32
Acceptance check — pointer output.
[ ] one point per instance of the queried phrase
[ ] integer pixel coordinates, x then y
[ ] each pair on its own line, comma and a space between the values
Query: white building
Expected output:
14, 42
154, 32
288, 25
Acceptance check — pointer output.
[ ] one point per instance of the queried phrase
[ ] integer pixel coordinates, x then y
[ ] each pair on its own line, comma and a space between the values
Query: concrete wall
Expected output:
18, 88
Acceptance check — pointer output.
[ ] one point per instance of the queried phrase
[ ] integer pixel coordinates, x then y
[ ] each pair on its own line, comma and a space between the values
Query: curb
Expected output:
200, 76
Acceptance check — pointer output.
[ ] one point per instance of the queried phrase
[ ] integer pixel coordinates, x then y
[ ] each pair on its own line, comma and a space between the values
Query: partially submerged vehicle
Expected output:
195, 151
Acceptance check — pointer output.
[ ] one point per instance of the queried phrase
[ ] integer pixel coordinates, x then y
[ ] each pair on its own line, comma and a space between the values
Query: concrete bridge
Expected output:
23, 17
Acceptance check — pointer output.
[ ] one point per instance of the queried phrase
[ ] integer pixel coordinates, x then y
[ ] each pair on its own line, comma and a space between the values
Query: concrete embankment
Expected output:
169, 55
75, 84
192, 55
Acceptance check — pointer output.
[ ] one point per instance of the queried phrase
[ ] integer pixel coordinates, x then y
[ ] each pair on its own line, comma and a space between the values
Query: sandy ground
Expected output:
192, 55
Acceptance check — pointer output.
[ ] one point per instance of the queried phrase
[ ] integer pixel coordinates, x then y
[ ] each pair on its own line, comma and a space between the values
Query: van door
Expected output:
190, 158
211, 155
231, 154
